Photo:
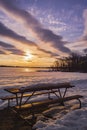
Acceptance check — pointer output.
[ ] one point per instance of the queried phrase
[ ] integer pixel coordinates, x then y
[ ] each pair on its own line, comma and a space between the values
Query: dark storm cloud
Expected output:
10, 48
43, 34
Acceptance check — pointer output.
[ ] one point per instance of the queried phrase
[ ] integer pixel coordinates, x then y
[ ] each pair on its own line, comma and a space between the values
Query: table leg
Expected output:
64, 93
54, 93
21, 99
17, 98
29, 97
59, 93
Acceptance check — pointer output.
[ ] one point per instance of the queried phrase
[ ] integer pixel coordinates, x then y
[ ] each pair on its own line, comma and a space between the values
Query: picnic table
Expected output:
39, 89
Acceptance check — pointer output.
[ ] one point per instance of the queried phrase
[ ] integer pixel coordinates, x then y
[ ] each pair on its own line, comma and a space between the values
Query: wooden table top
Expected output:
39, 87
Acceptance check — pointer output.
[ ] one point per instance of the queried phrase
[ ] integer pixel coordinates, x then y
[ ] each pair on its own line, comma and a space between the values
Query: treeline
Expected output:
73, 63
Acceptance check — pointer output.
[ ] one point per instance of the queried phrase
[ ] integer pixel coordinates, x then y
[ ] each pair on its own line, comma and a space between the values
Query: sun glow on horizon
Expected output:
28, 56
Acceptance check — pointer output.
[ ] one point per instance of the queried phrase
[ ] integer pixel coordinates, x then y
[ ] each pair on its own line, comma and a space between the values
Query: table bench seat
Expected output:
44, 104
49, 101
9, 98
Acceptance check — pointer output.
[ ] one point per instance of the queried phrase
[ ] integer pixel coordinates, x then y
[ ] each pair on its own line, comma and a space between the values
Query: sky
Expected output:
38, 32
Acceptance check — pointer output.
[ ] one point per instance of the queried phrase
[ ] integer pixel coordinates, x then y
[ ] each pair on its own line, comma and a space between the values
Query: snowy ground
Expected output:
75, 120
62, 118
67, 119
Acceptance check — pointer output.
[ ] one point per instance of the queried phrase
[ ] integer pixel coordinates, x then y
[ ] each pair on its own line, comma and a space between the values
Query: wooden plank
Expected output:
26, 95
47, 102
12, 90
72, 97
49, 86
39, 87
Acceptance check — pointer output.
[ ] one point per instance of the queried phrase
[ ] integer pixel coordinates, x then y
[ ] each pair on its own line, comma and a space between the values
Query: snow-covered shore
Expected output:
67, 119
75, 120
64, 118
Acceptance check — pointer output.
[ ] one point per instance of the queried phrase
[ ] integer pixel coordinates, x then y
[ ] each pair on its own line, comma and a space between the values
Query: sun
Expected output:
28, 56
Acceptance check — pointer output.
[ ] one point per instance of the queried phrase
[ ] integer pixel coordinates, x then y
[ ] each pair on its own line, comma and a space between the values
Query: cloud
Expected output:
55, 40
11, 48
85, 21
49, 52
81, 44
83, 38
16, 51
6, 45
44, 35
1, 52
6, 32
85, 50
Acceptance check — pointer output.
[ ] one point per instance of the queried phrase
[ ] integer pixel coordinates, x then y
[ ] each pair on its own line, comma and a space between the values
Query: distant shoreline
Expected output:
23, 67
49, 69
